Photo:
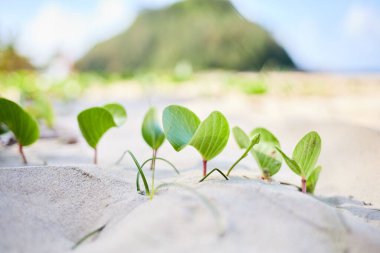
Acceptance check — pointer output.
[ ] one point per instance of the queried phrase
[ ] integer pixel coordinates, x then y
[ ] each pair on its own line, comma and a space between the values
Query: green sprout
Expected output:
305, 157
182, 127
154, 137
265, 153
24, 127
95, 122
253, 142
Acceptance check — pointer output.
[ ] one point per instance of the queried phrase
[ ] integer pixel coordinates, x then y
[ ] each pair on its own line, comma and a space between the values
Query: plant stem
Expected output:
95, 156
153, 168
204, 168
20, 149
303, 185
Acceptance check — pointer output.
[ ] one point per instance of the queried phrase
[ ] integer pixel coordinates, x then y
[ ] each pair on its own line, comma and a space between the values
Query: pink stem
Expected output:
204, 168
303, 187
20, 149
95, 156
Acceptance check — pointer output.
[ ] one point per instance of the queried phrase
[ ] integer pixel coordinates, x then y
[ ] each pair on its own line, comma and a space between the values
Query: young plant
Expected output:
95, 122
304, 159
154, 137
182, 127
251, 143
265, 153
23, 126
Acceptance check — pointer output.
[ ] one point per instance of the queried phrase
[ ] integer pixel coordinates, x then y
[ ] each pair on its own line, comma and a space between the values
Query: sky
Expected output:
324, 35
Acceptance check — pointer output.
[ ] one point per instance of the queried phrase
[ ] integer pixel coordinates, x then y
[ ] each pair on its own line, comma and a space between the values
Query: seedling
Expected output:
182, 127
265, 153
95, 122
305, 157
253, 142
24, 127
154, 137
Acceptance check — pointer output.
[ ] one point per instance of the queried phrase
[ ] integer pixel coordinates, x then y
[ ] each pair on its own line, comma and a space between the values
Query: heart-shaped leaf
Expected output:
24, 127
211, 136
241, 138
265, 153
94, 122
180, 124
313, 179
307, 151
151, 130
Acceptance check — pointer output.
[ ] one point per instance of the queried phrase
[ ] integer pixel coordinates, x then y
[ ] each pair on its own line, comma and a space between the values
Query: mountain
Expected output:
207, 33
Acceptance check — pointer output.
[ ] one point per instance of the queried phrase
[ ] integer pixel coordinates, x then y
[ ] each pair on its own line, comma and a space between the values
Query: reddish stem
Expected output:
204, 168
20, 149
95, 156
303, 185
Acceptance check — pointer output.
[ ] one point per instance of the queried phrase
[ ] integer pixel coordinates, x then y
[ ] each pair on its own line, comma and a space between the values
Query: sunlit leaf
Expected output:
24, 127
94, 122
313, 179
265, 153
241, 138
180, 124
151, 130
307, 151
290, 162
211, 136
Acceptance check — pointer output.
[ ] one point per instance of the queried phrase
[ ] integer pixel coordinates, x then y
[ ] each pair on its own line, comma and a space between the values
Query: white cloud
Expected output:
72, 32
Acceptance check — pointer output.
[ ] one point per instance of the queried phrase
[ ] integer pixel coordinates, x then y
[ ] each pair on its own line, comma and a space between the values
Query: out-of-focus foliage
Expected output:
10, 60
208, 34
248, 85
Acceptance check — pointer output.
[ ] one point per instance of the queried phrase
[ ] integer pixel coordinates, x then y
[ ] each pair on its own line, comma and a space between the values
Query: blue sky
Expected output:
339, 35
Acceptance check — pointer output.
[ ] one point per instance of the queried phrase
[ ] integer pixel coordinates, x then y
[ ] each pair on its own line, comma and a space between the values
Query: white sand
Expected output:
48, 209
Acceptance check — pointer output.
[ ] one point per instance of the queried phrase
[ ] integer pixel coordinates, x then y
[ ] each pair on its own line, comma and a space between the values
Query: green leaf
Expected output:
290, 162
24, 127
211, 136
95, 122
118, 113
180, 124
241, 138
151, 130
3, 128
265, 153
307, 151
311, 182
266, 136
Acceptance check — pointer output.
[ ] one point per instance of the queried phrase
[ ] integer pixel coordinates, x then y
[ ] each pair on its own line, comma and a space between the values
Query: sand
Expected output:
49, 208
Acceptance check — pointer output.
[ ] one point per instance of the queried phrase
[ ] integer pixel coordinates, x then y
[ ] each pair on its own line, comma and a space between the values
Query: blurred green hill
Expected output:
205, 33
10, 60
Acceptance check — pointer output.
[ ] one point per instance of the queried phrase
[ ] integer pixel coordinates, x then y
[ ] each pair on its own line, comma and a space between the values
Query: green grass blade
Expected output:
161, 159
84, 238
212, 171
141, 172
254, 141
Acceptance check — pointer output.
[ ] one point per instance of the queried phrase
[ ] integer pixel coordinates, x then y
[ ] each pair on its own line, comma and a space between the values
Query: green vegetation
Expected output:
182, 127
95, 122
265, 153
23, 126
205, 34
305, 157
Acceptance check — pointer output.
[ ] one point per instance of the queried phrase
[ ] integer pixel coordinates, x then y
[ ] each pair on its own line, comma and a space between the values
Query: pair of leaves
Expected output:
304, 159
182, 127
24, 127
95, 122
151, 130
265, 153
